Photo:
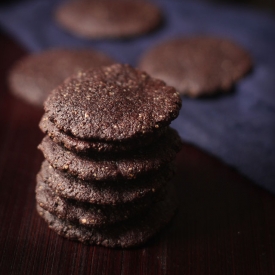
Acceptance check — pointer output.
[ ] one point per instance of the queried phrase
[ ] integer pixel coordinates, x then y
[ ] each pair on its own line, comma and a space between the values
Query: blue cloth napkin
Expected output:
239, 128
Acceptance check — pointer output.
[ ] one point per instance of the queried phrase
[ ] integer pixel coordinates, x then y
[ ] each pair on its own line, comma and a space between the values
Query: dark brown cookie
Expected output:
105, 192
113, 103
85, 146
107, 18
103, 168
129, 233
197, 66
33, 77
87, 213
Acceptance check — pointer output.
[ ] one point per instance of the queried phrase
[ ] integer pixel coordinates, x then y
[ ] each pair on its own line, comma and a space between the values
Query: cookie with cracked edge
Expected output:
95, 192
33, 77
113, 103
130, 233
86, 146
108, 19
104, 168
87, 213
197, 66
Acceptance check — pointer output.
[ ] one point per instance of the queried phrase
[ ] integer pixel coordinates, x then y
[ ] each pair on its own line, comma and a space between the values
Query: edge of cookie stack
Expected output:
109, 157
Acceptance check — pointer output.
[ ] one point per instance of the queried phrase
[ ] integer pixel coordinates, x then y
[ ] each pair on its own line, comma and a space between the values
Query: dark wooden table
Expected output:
225, 223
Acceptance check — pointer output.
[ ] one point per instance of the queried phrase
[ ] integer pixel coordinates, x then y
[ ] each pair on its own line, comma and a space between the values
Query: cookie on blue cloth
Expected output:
197, 66
33, 77
108, 18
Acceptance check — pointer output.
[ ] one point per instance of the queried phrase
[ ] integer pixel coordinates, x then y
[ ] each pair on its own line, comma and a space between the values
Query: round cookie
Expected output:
107, 18
102, 193
33, 77
86, 213
105, 168
114, 103
129, 233
197, 66
87, 146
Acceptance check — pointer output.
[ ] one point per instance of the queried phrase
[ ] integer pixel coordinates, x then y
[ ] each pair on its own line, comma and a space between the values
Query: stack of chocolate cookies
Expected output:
109, 157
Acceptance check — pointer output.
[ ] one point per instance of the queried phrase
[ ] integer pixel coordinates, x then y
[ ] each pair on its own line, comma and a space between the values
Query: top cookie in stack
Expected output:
113, 108
109, 152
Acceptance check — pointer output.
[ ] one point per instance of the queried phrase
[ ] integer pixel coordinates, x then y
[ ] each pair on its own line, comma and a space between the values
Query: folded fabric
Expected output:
239, 128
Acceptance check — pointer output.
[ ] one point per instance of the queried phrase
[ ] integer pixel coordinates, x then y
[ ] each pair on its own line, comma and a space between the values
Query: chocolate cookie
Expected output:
33, 77
197, 66
87, 213
107, 18
129, 233
104, 168
95, 192
114, 103
85, 146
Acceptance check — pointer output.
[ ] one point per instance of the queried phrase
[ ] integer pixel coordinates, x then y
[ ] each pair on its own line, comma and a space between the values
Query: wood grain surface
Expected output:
225, 224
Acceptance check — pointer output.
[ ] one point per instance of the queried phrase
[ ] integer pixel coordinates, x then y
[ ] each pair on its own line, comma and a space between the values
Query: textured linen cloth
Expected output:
239, 128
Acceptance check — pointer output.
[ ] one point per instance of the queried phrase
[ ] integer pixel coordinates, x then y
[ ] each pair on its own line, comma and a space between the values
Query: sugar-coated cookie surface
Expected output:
107, 18
199, 65
33, 77
113, 103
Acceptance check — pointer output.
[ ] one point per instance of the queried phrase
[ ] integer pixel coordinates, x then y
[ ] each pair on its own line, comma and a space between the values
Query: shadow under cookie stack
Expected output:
109, 157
